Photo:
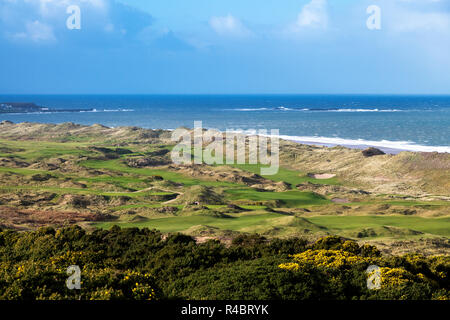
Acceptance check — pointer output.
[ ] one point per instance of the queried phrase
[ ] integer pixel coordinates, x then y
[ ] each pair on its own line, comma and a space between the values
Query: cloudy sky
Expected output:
225, 46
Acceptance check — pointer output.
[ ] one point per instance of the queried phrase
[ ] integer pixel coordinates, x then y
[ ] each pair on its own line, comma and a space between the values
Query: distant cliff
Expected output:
20, 107
28, 107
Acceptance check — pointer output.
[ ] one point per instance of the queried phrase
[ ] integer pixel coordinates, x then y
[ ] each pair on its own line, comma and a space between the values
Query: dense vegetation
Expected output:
97, 177
134, 263
65, 189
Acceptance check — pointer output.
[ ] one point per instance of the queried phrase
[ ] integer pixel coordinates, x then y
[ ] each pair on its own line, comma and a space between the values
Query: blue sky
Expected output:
230, 47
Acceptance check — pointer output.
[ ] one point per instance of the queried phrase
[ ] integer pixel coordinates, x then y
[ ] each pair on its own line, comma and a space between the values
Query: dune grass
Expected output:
181, 223
290, 176
265, 221
290, 199
118, 166
339, 224
80, 191
33, 150
256, 219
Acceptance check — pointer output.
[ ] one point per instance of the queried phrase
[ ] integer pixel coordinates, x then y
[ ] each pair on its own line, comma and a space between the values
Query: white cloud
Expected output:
423, 21
404, 16
35, 31
38, 31
45, 20
421, 26
313, 15
229, 26
410, 20
50, 8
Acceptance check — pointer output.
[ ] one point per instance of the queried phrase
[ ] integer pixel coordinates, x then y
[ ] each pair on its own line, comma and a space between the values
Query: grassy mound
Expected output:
384, 231
199, 195
287, 226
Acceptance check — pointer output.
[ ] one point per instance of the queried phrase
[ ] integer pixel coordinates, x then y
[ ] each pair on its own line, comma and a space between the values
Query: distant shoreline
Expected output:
389, 147
358, 147
30, 107
392, 124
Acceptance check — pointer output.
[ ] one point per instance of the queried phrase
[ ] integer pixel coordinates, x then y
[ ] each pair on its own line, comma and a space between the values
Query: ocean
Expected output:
392, 123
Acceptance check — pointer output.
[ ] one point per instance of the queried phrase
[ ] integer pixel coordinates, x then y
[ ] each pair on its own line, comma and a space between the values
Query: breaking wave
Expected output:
318, 109
386, 144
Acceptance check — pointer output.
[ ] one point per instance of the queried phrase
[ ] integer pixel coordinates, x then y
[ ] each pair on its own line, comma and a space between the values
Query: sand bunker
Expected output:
340, 200
321, 176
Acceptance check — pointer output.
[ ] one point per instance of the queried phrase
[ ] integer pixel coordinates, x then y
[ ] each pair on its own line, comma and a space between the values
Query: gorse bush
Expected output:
411, 276
143, 264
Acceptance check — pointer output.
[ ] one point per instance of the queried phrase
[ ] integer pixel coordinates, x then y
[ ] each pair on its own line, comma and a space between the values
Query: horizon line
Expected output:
225, 94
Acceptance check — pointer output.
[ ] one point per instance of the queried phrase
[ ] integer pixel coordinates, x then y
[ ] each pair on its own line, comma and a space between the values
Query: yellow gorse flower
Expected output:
395, 276
20, 270
291, 266
324, 258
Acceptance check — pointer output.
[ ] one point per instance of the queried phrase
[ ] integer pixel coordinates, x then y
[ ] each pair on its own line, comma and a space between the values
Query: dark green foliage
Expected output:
253, 280
249, 240
329, 243
137, 263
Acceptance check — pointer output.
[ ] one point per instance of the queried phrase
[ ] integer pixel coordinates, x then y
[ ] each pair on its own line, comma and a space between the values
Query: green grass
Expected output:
402, 203
290, 199
435, 226
290, 176
44, 150
265, 220
180, 206
26, 172
408, 203
118, 166
80, 191
174, 224
128, 179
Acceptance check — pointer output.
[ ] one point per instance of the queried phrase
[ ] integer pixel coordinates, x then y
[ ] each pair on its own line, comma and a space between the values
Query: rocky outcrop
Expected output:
371, 152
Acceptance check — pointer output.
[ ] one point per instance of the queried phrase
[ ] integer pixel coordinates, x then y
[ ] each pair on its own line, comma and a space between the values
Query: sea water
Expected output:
416, 123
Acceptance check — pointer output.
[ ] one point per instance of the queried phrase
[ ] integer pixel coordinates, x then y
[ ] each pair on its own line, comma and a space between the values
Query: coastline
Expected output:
389, 147
358, 147
413, 124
